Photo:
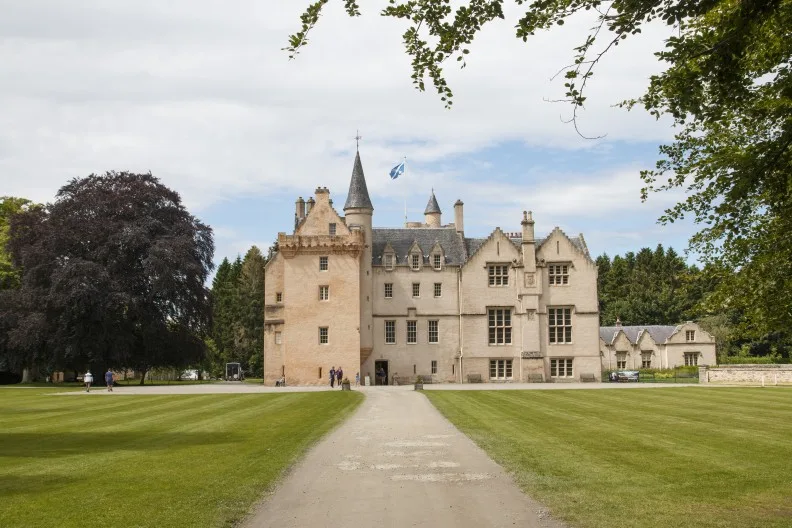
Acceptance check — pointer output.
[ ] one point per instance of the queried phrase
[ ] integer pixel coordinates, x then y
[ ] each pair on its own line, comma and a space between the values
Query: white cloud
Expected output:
201, 94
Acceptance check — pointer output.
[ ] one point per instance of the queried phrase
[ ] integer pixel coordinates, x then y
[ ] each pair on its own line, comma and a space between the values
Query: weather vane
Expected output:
358, 137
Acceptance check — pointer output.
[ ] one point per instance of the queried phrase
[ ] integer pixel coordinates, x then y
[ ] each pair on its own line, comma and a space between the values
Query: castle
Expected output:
424, 300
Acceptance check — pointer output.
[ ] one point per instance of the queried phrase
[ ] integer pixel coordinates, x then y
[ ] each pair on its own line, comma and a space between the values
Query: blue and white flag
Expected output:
397, 171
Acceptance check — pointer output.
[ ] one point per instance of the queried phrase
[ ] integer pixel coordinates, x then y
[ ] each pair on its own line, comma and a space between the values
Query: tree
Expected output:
113, 274
727, 87
9, 206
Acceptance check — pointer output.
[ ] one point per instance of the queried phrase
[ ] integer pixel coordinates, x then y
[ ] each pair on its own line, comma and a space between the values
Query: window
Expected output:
324, 293
390, 332
322, 263
438, 289
412, 332
691, 359
499, 275
323, 336
690, 335
415, 261
389, 290
499, 326
332, 228
434, 336
278, 338
561, 368
437, 261
389, 262
279, 297
646, 360
416, 289
560, 323
500, 369
558, 273
621, 360
434, 367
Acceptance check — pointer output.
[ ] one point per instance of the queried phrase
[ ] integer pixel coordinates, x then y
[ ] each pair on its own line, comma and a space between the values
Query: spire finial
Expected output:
358, 137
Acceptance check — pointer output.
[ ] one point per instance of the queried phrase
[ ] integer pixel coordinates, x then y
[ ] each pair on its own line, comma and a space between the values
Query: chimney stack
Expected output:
527, 227
300, 208
309, 205
459, 220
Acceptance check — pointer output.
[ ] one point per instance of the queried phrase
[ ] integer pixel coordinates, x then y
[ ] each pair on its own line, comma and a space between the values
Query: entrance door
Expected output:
379, 380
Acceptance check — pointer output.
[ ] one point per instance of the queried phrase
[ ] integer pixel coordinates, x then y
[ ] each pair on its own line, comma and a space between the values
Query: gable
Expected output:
319, 219
496, 248
559, 247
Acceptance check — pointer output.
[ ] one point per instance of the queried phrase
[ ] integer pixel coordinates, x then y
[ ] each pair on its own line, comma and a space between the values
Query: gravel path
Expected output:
397, 462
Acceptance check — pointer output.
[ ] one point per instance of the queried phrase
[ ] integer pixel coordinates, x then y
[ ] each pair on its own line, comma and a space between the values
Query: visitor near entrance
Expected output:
109, 380
357, 379
332, 376
339, 376
88, 379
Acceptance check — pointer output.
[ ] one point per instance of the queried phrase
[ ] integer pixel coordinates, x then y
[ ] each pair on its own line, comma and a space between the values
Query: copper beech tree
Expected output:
113, 274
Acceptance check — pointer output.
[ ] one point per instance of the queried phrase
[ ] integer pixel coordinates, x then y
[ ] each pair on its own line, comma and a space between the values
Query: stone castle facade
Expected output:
425, 300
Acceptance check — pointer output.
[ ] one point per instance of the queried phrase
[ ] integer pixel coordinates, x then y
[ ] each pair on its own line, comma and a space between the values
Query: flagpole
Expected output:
405, 193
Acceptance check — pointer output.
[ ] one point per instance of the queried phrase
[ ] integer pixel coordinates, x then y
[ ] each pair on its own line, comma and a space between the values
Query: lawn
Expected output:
122, 460
700, 457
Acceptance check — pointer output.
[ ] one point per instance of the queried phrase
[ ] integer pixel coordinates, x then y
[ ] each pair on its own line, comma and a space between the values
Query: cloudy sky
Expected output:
200, 93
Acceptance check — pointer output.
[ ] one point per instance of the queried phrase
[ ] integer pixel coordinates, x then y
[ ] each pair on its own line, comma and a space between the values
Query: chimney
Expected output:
618, 322
309, 205
527, 227
300, 208
459, 221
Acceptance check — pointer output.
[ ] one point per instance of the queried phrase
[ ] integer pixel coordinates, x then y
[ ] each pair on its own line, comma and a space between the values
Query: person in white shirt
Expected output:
88, 379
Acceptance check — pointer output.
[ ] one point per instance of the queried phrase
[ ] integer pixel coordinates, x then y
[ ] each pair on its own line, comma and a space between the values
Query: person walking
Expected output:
332, 376
109, 380
88, 379
339, 376
357, 379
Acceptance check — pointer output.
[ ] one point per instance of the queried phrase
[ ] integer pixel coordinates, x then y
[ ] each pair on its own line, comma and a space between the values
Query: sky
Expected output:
201, 94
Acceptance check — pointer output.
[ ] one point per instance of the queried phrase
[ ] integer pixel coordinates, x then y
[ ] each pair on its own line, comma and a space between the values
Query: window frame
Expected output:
690, 336
433, 367
562, 277
694, 356
499, 334
646, 359
416, 290
389, 260
324, 263
568, 368
621, 360
388, 290
438, 290
498, 275
437, 262
412, 339
278, 338
332, 229
553, 326
436, 331
324, 292
390, 332
326, 331
278, 297
501, 369
415, 261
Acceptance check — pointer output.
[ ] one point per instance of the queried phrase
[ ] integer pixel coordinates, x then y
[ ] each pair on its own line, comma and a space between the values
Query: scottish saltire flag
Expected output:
397, 171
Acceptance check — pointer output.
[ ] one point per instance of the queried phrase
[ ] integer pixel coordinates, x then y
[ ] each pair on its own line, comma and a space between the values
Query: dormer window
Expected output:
389, 258
690, 335
437, 261
415, 262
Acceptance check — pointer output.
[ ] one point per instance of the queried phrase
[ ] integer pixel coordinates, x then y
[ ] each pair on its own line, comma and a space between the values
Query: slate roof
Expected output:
432, 206
401, 240
358, 196
660, 333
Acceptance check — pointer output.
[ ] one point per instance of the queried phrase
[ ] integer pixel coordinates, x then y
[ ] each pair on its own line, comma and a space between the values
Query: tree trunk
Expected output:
27, 377
143, 376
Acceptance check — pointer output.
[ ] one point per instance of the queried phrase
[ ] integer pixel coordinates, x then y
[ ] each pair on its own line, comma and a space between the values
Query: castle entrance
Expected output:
378, 379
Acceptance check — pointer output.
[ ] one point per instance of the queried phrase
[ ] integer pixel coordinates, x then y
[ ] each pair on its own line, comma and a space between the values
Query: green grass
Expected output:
182, 460
659, 457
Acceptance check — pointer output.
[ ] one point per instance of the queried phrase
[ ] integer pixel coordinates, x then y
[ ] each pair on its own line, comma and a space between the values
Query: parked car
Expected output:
628, 375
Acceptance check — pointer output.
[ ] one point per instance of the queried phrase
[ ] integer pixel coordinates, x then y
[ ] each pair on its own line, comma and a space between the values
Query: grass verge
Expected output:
165, 461
661, 457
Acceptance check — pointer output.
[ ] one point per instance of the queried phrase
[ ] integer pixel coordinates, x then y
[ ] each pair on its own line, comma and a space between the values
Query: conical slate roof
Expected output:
432, 206
358, 196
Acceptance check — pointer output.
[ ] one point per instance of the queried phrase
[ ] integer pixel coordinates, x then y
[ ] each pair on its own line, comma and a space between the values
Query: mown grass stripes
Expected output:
661, 457
182, 460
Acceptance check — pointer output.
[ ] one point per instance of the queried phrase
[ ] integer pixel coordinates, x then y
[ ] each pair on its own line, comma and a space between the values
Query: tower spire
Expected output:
358, 196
